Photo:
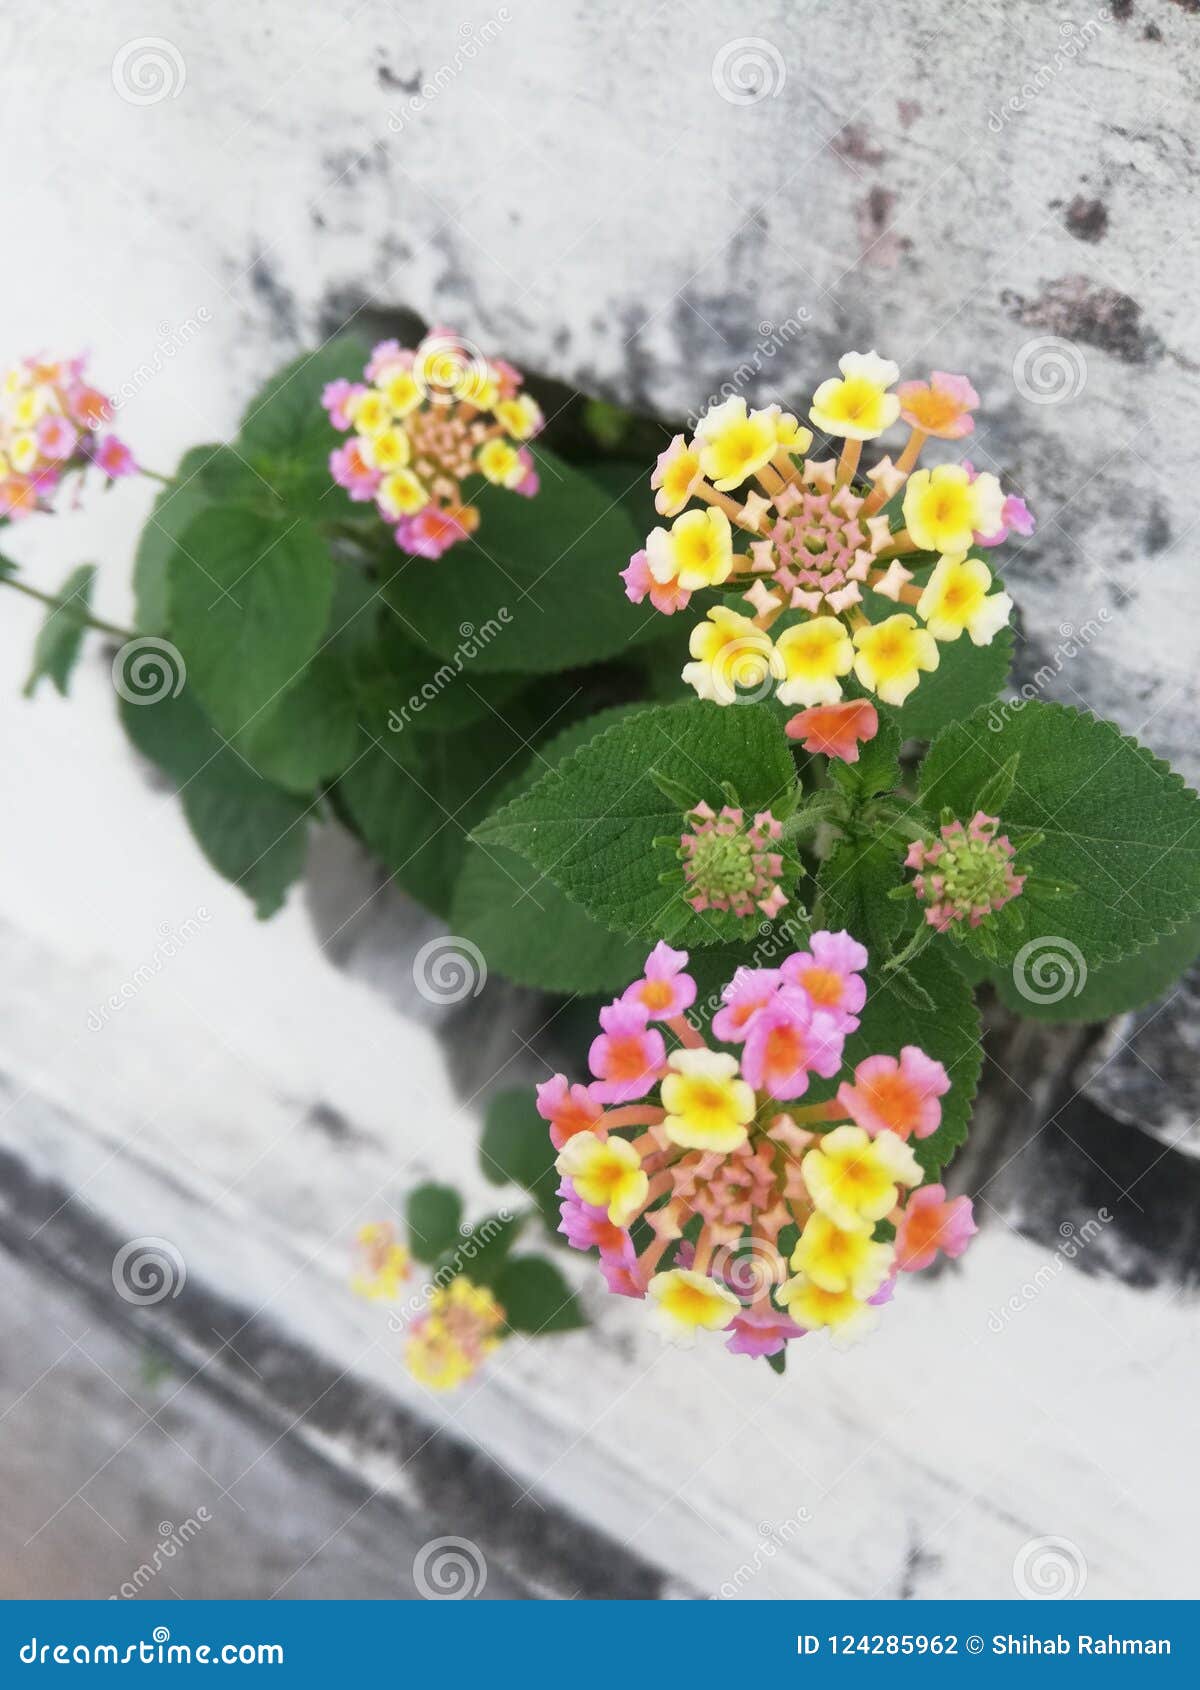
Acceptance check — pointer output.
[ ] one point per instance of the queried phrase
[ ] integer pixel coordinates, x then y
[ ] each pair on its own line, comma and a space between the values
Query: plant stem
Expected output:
72, 609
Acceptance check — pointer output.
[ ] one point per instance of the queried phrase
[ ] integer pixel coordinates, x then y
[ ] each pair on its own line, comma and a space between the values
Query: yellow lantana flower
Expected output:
815, 654
842, 1312
387, 450
956, 598
401, 494
676, 476
696, 551
687, 1303
890, 656
854, 1179
790, 433
841, 1261
944, 509
857, 406
606, 1172
735, 443
402, 392
369, 411
522, 416
500, 463
730, 652
708, 1106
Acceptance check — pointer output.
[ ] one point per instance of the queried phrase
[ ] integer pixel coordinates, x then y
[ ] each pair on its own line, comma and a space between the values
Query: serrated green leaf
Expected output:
536, 1298
1118, 825
251, 832
854, 888
591, 824
433, 1213
526, 928
248, 600
1051, 989
60, 637
550, 564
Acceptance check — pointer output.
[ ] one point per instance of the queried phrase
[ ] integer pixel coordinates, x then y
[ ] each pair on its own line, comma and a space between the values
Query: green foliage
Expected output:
543, 577
1118, 826
536, 1298
591, 823
250, 831
525, 926
433, 1213
249, 598
56, 649
854, 889
1050, 986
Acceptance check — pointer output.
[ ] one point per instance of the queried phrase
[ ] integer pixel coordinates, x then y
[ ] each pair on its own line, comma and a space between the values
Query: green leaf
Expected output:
967, 675
536, 1298
1051, 987
1118, 825
854, 886
544, 570
778, 1362
284, 419
515, 1147
311, 733
591, 823
483, 1249
526, 928
60, 637
433, 1213
253, 834
206, 475
878, 766
249, 599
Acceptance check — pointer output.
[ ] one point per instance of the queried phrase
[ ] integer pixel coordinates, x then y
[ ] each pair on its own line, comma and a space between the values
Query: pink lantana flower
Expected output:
1015, 516
569, 1109
835, 730
530, 483
430, 533
622, 1279
665, 596
750, 990
586, 1227
664, 991
114, 457
350, 470
828, 974
336, 395
56, 437
761, 1331
941, 406
931, 1223
786, 1041
628, 1056
900, 1097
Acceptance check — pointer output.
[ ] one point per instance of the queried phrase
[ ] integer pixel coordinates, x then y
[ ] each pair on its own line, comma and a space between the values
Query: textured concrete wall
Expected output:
642, 199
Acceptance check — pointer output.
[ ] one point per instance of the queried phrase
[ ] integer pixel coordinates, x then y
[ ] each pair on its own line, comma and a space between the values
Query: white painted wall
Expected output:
577, 194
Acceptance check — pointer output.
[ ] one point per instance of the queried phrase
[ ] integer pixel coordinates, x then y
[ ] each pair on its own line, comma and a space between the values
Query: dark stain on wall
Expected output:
1077, 309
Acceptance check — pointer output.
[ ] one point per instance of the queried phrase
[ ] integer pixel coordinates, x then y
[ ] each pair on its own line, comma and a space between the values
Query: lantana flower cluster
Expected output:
459, 1325
53, 422
712, 1192
422, 422
966, 874
818, 538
